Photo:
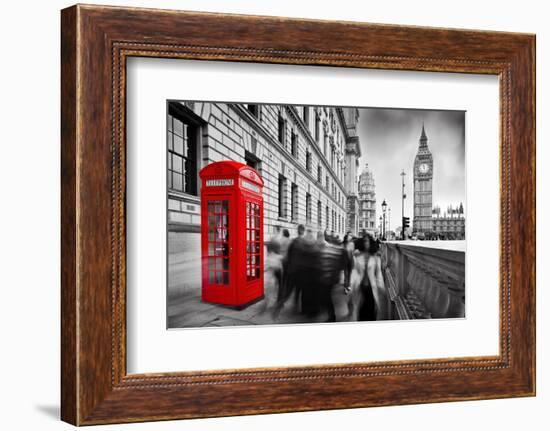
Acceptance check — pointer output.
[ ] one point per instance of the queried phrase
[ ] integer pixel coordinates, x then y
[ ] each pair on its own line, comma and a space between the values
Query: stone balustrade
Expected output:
423, 281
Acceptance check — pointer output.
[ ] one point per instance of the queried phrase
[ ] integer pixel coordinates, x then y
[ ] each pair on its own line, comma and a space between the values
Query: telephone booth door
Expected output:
218, 262
253, 247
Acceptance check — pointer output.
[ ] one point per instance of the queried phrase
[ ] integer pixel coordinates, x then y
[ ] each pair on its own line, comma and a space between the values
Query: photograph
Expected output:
292, 214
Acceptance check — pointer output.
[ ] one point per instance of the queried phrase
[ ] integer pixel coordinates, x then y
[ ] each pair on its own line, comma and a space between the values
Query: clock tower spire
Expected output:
423, 177
423, 142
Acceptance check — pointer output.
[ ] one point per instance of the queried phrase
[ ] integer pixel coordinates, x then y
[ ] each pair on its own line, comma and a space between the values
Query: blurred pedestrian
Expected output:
274, 268
301, 262
334, 268
366, 305
349, 248
373, 302
284, 242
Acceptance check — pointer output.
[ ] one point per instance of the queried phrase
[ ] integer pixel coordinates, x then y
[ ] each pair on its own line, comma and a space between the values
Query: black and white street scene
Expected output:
288, 214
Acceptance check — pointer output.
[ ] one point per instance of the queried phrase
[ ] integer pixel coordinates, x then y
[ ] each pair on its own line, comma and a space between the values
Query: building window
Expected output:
306, 115
294, 144
317, 127
253, 109
308, 161
327, 213
253, 161
319, 214
182, 154
308, 208
319, 173
326, 182
282, 196
282, 130
294, 203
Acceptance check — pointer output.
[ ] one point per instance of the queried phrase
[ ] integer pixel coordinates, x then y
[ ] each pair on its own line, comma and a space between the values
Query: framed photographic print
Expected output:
258, 208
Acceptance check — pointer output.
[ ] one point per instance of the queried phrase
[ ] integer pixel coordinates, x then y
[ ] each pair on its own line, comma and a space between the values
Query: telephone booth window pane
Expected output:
218, 247
252, 241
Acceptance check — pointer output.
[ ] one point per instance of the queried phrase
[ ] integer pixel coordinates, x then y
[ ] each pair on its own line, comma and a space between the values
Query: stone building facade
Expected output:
367, 202
300, 152
352, 155
450, 224
449, 227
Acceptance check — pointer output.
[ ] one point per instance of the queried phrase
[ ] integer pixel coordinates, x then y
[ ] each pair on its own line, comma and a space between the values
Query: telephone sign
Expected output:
219, 182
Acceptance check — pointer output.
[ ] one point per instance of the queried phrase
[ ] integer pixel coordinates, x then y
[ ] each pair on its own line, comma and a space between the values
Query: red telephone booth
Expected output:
232, 234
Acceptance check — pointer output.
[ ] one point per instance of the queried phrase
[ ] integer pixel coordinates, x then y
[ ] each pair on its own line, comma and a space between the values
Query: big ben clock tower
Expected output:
423, 175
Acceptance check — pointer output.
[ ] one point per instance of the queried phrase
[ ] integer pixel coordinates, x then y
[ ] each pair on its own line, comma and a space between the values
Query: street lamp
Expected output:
384, 206
403, 196
389, 219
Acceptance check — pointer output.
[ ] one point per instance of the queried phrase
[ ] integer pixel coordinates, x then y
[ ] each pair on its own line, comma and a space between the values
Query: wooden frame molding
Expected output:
95, 43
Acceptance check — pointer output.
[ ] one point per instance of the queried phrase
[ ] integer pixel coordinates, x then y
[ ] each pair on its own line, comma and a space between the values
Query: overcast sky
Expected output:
389, 142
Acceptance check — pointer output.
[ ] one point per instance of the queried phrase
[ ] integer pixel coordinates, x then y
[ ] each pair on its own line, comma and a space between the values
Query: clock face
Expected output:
424, 168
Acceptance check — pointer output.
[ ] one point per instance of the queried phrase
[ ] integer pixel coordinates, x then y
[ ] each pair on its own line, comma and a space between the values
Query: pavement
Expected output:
186, 309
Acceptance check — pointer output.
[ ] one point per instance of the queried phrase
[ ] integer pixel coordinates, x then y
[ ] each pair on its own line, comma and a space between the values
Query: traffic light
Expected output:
405, 223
